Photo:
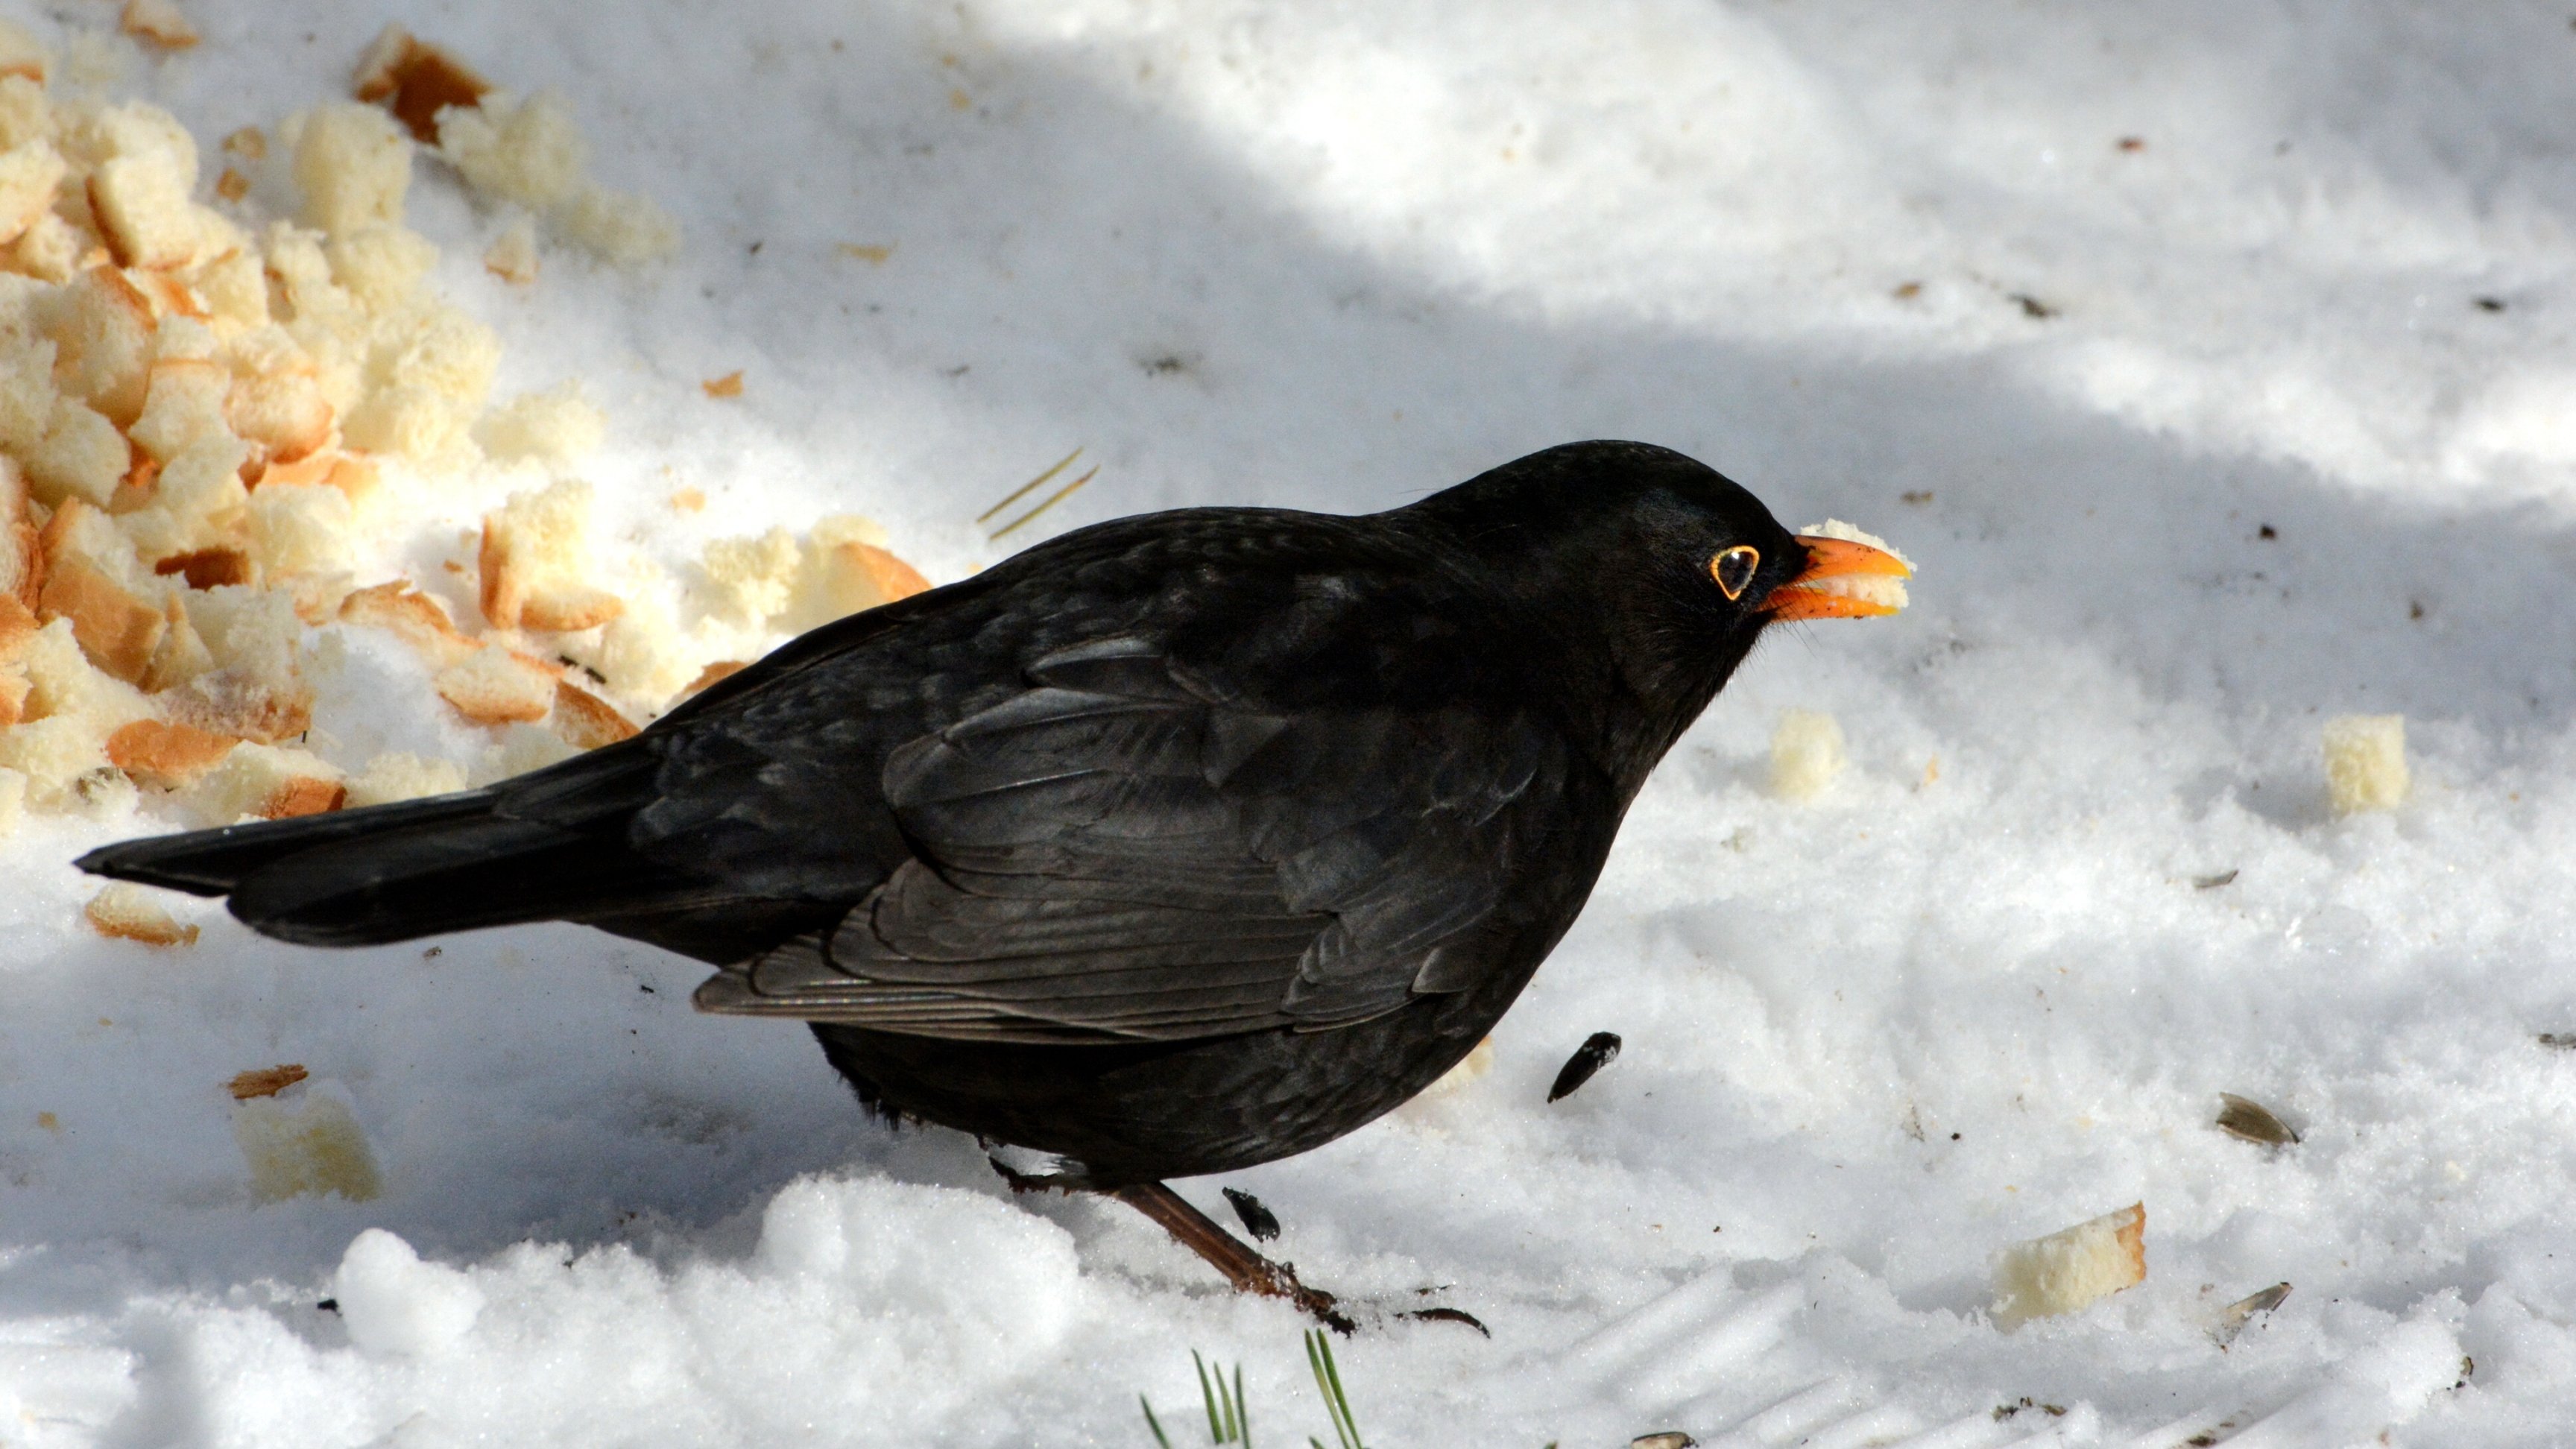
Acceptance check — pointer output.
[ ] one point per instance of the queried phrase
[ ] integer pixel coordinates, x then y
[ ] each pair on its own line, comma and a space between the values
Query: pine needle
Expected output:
1031, 486
1052, 499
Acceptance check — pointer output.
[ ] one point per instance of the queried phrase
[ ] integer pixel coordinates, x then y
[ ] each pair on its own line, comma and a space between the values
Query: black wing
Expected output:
1131, 846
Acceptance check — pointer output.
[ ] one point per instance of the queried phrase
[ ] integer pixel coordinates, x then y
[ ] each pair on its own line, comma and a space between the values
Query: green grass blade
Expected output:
1207, 1395
1161, 1438
1242, 1411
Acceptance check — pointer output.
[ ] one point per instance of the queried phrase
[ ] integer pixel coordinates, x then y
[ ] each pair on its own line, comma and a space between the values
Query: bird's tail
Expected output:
549, 846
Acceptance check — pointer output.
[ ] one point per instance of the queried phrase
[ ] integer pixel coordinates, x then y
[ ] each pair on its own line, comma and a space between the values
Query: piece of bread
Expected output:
269, 782
394, 777
1806, 754
353, 166
526, 151
382, 265
494, 686
585, 721
131, 913
555, 426
82, 455
22, 559
207, 568
168, 755
2366, 762
304, 1143
717, 672
534, 551
301, 528
415, 80
117, 629
265, 1081
513, 254
140, 192
101, 326
15, 686
158, 23
2067, 1270
29, 173
751, 580
415, 617
183, 401
21, 56
623, 228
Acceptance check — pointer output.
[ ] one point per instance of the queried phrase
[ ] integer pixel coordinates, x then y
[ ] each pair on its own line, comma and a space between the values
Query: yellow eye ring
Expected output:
1734, 569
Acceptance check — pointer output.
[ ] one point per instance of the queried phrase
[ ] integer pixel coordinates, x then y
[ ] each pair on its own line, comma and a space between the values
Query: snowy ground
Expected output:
2269, 417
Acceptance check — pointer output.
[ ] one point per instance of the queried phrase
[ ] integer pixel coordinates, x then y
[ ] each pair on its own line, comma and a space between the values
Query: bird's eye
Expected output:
1734, 568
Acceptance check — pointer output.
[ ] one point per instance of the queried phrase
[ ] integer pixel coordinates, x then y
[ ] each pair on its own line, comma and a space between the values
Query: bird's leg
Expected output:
1246, 1269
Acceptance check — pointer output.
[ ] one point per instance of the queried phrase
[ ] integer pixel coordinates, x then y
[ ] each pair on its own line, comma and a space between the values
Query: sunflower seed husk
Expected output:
2251, 1120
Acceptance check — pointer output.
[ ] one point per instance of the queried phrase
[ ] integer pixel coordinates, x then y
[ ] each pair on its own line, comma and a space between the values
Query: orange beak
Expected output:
1843, 580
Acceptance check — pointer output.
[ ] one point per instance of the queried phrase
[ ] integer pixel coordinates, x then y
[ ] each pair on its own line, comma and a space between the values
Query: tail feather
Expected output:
216, 862
550, 846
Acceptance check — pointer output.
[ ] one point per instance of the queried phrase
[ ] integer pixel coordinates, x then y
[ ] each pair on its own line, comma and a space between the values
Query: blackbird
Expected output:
1172, 845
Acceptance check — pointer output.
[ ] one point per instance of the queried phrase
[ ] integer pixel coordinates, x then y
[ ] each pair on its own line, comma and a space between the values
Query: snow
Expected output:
2197, 443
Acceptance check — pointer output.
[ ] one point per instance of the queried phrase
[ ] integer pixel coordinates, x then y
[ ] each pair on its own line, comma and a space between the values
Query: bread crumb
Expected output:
729, 385
29, 173
353, 165
393, 777
117, 629
2067, 1270
300, 529
1475, 1064
140, 192
2366, 762
534, 550
513, 254
131, 913
526, 151
752, 578
82, 455
558, 425
158, 22
715, 673
874, 256
415, 617
101, 327
1806, 754
619, 227
20, 55
271, 782
842, 576
523, 749
168, 755
494, 686
207, 568
304, 1143
688, 500
249, 143
13, 799
184, 401
232, 185
416, 81
1836, 528
381, 265
585, 721
265, 1081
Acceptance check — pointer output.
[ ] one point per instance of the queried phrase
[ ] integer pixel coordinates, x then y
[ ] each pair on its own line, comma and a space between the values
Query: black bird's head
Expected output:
1657, 569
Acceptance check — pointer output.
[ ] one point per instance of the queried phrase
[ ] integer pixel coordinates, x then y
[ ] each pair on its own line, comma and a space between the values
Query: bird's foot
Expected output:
1243, 1265
1246, 1269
